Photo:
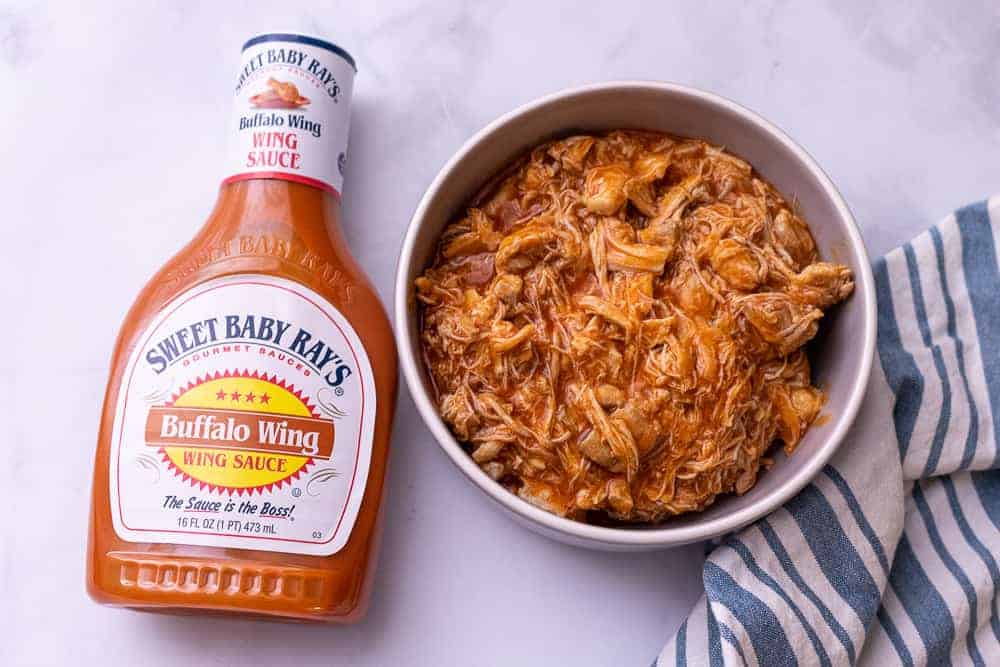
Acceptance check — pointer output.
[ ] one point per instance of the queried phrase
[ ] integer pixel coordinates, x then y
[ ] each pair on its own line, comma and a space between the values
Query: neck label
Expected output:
291, 112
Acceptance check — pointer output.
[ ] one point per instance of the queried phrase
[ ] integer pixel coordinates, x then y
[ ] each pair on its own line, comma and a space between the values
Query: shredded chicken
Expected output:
616, 326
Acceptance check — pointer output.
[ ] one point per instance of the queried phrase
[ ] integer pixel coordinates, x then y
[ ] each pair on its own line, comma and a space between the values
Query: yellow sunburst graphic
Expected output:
234, 469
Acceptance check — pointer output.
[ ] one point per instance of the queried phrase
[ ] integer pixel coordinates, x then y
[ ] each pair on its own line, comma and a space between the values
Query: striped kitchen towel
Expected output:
892, 554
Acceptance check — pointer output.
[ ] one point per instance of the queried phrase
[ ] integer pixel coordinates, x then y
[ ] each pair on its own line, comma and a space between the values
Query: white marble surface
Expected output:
113, 125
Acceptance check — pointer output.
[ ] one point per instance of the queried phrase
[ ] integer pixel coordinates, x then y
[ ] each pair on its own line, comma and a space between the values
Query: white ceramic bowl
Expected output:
841, 354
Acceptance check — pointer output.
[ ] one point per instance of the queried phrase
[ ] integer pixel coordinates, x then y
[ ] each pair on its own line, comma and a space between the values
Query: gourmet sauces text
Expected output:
255, 328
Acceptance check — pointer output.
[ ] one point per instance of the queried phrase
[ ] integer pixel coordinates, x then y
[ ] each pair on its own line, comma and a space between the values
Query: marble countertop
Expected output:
115, 121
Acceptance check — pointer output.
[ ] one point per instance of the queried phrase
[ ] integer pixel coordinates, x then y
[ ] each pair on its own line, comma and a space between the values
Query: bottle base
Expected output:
183, 586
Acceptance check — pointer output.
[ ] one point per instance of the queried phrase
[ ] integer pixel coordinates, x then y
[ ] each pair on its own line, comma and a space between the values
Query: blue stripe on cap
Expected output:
920, 500
920, 309
972, 437
764, 629
901, 372
981, 279
301, 39
923, 604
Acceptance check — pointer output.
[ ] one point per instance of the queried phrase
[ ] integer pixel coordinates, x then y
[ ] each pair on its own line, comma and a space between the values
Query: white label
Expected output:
245, 419
291, 113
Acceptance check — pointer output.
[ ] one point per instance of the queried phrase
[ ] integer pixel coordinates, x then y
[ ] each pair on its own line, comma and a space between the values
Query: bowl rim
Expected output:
662, 535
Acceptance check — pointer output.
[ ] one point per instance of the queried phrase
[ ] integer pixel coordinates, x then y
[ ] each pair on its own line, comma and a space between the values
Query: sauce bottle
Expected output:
245, 431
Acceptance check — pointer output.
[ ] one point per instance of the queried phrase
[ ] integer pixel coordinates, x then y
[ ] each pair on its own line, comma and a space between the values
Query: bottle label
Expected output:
292, 112
245, 419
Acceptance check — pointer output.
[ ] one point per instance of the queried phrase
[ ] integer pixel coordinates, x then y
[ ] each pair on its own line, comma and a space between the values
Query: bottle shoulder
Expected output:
272, 250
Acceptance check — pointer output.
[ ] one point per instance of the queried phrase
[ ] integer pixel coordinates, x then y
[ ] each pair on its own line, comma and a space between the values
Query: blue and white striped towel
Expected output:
891, 555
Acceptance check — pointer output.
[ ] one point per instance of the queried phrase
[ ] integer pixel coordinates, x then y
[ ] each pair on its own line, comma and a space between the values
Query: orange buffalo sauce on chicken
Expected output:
245, 432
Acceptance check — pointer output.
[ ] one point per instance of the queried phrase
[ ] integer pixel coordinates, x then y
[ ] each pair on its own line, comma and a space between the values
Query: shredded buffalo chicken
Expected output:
615, 327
